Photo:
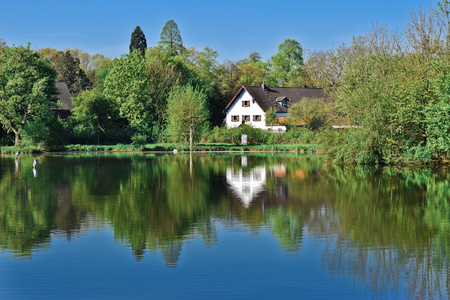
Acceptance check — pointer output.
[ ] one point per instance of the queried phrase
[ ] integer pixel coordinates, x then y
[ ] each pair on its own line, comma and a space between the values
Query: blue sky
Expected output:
232, 28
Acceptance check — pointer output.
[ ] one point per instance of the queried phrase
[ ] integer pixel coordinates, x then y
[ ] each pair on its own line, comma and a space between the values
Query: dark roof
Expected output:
267, 97
64, 97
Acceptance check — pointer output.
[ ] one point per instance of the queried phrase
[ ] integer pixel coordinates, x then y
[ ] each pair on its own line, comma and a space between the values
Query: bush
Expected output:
139, 140
47, 133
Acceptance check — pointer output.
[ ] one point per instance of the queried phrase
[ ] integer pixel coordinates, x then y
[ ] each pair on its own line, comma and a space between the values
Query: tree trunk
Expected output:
16, 139
191, 137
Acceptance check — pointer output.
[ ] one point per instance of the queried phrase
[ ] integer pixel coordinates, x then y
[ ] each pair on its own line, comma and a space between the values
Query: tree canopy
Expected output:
127, 83
27, 88
187, 111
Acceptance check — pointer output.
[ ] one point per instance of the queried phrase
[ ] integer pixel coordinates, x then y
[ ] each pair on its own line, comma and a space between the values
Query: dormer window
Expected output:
245, 103
283, 101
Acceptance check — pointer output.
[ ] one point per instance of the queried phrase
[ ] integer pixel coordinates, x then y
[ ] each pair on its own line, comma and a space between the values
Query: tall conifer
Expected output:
138, 41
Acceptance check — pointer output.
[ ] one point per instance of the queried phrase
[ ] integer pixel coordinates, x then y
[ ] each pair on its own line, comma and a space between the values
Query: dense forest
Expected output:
388, 89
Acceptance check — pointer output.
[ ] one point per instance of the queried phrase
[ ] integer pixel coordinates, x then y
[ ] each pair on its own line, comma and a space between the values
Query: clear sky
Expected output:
233, 28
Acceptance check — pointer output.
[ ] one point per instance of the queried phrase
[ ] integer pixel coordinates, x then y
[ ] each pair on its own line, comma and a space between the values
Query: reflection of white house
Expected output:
247, 185
250, 105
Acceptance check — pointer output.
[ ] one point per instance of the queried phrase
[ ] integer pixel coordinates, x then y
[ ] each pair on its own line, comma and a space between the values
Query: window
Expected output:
245, 103
256, 118
246, 118
284, 103
234, 118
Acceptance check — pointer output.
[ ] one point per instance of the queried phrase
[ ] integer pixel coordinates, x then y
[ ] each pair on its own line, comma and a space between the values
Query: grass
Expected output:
170, 147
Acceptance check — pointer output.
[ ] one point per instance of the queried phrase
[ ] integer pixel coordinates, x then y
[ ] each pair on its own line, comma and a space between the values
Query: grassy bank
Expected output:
170, 147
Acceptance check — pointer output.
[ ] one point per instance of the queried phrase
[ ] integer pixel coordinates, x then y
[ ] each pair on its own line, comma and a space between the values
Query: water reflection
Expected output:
246, 185
382, 227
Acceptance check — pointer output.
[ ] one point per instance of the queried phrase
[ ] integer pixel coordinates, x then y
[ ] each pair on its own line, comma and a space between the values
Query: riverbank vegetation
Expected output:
389, 91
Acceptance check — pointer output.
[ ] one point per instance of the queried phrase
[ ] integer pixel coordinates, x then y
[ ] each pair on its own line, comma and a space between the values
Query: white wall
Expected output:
253, 109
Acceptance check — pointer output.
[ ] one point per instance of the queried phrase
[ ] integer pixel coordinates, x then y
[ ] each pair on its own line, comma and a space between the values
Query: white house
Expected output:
250, 104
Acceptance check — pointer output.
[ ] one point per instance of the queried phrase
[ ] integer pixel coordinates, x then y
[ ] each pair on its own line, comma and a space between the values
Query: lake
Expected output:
220, 226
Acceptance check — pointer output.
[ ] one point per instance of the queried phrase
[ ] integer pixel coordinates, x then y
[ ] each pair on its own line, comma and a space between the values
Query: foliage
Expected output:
96, 118
437, 113
313, 112
27, 88
127, 83
47, 133
138, 41
170, 38
271, 118
163, 74
285, 65
187, 114
68, 69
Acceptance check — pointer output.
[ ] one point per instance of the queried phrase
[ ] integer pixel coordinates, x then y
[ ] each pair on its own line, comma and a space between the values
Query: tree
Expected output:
171, 39
287, 62
94, 114
187, 111
2, 43
128, 84
138, 41
68, 69
27, 88
313, 112
271, 117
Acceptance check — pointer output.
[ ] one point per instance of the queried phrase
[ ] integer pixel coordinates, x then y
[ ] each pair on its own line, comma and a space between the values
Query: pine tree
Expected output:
138, 41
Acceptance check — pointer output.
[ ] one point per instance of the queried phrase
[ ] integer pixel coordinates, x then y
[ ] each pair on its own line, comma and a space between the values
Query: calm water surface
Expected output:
220, 226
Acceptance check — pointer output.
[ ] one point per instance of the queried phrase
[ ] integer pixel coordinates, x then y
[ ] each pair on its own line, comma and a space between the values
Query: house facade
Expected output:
250, 104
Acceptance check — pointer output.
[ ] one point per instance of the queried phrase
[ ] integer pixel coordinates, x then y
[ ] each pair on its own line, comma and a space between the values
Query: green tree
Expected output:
165, 72
313, 112
271, 118
96, 115
68, 69
138, 41
437, 113
287, 63
128, 84
27, 88
187, 112
171, 39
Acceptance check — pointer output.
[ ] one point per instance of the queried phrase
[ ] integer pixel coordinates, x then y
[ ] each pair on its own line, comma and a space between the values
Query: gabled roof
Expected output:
266, 97
64, 97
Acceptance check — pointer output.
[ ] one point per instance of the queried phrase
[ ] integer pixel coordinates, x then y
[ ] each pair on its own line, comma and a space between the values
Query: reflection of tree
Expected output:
287, 225
381, 226
27, 210
386, 229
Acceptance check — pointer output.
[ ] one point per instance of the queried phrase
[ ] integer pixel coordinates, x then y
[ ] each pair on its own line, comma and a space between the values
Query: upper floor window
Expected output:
245, 103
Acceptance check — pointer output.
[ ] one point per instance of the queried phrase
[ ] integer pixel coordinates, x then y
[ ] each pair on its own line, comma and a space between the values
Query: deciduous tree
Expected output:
286, 64
27, 88
187, 112
127, 83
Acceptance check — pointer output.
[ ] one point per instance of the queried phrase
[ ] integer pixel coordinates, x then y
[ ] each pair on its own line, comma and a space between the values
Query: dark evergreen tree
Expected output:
138, 41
